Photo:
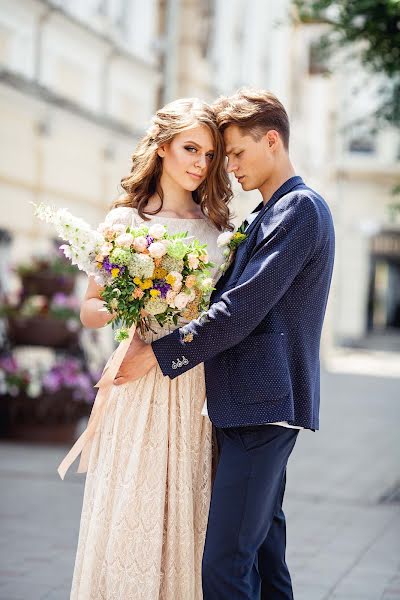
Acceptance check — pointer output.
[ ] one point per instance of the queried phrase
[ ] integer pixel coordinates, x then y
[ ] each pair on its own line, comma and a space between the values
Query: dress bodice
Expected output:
202, 229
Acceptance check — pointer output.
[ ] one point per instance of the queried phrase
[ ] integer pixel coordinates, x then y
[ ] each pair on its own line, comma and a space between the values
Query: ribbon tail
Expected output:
82, 445
72, 455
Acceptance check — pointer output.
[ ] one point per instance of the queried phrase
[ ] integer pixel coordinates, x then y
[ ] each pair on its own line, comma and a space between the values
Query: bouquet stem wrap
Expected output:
83, 444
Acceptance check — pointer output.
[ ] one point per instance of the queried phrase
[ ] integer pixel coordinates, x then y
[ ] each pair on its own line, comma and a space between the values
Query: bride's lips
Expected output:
240, 178
198, 177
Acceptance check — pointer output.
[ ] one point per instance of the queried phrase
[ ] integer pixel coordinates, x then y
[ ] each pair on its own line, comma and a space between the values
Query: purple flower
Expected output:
149, 239
109, 266
52, 381
162, 286
60, 299
9, 364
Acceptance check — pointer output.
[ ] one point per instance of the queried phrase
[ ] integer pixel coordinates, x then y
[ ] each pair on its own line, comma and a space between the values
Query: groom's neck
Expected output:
283, 171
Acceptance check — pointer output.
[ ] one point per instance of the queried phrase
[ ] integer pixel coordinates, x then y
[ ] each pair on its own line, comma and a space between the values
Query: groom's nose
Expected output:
231, 166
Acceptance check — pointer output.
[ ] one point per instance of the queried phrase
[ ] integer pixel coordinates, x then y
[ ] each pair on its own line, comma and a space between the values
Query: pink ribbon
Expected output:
83, 444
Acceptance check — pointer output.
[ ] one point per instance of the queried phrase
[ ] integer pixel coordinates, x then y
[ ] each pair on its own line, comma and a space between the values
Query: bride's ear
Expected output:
161, 151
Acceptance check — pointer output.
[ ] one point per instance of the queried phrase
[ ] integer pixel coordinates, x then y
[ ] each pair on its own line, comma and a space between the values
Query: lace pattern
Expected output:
148, 484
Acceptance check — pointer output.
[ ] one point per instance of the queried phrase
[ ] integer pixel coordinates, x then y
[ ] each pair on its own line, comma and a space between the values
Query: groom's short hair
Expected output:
254, 111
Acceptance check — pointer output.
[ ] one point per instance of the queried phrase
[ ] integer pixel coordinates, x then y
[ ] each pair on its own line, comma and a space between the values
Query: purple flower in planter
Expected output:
60, 299
9, 364
52, 381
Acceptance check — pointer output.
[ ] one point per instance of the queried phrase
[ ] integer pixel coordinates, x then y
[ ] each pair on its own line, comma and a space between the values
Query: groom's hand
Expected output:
138, 361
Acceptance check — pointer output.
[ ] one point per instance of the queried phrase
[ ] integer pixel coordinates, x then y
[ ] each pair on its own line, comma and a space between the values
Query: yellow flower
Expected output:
114, 273
159, 273
155, 293
239, 236
99, 265
147, 283
137, 281
170, 279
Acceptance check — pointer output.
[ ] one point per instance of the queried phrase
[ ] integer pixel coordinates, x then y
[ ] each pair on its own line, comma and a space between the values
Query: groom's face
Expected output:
251, 161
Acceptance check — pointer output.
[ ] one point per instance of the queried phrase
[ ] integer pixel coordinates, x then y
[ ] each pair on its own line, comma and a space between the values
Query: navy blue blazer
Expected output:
260, 338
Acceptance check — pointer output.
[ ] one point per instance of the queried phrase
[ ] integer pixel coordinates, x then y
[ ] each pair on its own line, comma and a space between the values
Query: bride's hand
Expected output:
138, 361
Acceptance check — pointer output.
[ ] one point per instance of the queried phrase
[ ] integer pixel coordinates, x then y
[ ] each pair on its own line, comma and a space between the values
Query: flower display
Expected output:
64, 374
145, 272
60, 306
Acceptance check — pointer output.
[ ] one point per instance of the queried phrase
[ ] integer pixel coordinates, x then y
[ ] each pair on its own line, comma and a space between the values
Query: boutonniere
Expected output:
231, 240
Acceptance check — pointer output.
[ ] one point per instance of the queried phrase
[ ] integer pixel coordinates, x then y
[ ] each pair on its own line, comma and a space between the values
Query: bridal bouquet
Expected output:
145, 272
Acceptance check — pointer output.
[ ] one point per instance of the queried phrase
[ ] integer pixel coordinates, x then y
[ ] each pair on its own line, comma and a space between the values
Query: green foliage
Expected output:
374, 25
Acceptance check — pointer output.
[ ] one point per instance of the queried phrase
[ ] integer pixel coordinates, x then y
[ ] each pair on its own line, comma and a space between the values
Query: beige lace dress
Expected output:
148, 484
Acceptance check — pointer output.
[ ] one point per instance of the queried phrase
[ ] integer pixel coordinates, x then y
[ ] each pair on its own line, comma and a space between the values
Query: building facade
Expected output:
80, 80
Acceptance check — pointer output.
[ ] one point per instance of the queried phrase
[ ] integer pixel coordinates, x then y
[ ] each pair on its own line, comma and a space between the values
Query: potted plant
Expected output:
43, 321
45, 404
47, 276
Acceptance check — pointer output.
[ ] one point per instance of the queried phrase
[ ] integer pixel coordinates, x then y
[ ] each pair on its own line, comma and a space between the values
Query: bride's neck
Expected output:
176, 200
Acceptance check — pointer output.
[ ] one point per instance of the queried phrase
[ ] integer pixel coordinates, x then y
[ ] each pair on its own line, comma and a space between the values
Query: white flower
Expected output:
157, 249
191, 294
67, 251
157, 231
193, 261
170, 298
83, 241
224, 238
156, 306
140, 243
34, 389
207, 284
124, 240
72, 325
181, 301
118, 229
105, 249
177, 285
141, 265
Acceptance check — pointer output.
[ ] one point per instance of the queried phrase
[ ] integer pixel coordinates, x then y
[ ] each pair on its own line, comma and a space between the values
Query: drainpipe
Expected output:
43, 19
172, 37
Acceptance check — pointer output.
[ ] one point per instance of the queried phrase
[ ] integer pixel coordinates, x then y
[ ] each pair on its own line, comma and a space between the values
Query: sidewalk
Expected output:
343, 537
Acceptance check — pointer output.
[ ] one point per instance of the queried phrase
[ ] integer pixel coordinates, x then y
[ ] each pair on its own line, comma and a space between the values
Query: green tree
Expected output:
373, 28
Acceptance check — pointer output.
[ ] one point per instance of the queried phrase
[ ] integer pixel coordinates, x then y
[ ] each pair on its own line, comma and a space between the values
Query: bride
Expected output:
148, 483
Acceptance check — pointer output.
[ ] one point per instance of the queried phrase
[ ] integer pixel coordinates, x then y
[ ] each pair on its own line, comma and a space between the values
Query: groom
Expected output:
260, 345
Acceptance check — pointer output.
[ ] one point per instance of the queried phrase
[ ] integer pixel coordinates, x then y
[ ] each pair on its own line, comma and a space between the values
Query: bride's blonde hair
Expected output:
214, 193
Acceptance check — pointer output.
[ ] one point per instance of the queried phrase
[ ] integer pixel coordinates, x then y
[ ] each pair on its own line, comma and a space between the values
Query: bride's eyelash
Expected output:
190, 148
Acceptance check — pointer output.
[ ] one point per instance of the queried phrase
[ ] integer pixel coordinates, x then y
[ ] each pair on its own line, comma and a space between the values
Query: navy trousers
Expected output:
244, 554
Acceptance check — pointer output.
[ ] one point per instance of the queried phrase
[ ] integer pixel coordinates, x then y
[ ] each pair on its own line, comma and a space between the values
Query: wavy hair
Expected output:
214, 193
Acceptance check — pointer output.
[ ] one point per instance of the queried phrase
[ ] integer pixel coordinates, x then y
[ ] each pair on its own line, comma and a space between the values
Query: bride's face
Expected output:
187, 158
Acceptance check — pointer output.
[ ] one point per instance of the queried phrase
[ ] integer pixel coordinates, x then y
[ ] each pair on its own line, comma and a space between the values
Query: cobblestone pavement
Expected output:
343, 536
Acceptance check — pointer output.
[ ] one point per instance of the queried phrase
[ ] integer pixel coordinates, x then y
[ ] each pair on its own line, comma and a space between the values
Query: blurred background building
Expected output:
80, 80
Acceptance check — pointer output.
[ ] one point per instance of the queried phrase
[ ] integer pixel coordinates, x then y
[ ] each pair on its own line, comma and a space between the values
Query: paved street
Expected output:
343, 538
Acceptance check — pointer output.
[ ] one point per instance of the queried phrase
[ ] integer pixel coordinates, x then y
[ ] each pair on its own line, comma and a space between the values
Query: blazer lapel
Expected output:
287, 187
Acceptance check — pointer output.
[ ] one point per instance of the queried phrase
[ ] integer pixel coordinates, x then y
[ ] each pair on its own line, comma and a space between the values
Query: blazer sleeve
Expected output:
275, 262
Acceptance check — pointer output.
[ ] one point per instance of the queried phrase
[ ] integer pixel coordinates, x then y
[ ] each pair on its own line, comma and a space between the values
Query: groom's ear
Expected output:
272, 139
